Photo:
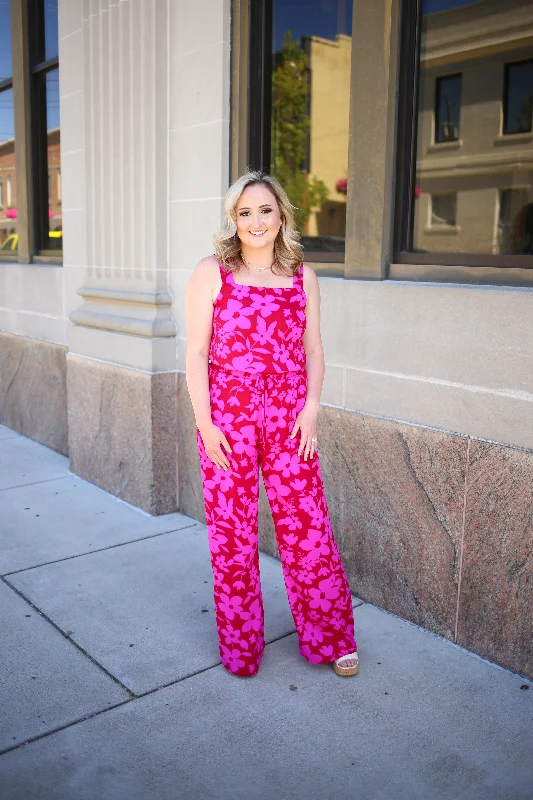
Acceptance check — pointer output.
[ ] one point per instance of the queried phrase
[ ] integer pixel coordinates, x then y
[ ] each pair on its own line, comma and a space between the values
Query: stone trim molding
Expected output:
144, 313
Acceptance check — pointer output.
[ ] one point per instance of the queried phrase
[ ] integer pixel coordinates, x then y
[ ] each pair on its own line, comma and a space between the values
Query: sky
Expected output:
51, 44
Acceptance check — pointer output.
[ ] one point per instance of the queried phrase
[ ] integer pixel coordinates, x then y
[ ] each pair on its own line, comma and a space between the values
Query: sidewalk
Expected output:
111, 683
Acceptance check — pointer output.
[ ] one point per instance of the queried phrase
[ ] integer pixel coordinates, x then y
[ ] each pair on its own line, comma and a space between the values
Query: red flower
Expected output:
342, 185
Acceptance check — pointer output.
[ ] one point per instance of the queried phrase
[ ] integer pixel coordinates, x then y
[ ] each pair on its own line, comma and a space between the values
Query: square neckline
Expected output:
231, 280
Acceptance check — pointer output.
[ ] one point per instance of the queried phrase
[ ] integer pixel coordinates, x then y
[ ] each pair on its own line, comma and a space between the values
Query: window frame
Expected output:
472, 268
29, 167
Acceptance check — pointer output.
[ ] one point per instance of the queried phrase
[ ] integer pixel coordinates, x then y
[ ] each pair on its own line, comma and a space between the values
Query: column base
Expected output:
122, 431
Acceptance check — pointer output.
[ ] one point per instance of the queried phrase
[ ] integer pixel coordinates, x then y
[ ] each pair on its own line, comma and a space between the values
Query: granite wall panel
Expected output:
395, 495
496, 596
33, 390
122, 432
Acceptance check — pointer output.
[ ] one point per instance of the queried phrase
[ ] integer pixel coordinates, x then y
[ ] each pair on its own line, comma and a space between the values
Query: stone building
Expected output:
426, 424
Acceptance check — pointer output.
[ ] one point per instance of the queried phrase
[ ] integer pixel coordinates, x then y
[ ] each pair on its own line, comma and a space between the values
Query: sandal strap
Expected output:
353, 656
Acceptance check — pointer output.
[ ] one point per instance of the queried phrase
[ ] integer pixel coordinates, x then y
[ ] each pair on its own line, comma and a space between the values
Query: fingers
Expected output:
294, 430
307, 446
218, 458
226, 444
217, 455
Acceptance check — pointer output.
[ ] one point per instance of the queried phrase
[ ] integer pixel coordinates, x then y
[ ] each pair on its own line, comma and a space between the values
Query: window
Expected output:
34, 95
483, 190
518, 97
447, 108
299, 103
443, 209
8, 221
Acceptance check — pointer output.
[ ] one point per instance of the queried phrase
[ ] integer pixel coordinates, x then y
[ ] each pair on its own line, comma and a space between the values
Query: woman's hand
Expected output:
213, 440
306, 423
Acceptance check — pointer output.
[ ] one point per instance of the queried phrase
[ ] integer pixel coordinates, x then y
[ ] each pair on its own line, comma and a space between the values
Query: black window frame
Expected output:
475, 268
40, 67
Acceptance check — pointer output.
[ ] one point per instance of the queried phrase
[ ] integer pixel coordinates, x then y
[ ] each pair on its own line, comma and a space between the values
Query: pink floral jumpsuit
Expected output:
258, 384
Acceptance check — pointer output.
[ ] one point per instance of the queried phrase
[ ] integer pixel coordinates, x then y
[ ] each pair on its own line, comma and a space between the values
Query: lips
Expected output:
257, 233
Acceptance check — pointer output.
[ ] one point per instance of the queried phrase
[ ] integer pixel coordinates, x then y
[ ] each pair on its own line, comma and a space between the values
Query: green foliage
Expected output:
290, 131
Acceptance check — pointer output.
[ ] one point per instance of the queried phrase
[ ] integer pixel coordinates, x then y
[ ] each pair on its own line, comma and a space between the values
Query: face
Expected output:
258, 217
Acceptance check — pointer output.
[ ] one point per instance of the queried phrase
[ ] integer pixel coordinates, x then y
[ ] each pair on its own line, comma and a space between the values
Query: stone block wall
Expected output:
33, 389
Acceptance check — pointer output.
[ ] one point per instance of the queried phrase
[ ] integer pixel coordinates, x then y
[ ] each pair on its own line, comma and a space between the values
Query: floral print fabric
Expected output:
257, 329
256, 409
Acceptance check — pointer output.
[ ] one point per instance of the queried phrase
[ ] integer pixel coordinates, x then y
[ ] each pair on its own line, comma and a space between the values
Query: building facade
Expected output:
412, 178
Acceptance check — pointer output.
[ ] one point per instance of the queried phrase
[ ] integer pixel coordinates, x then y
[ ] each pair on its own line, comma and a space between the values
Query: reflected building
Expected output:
8, 190
329, 69
475, 138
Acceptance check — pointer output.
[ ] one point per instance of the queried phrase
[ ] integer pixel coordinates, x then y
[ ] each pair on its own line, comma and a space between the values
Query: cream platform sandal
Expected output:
342, 670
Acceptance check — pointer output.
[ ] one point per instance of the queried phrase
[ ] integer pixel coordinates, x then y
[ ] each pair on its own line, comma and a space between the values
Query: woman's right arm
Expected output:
199, 322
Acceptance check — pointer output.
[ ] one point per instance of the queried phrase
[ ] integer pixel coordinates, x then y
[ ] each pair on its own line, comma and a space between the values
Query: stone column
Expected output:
121, 377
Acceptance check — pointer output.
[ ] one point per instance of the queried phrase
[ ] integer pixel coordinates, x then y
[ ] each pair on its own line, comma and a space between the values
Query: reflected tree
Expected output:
290, 131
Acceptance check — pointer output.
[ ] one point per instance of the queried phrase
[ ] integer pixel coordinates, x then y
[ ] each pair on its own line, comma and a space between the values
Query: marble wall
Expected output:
122, 432
434, 527
33, 389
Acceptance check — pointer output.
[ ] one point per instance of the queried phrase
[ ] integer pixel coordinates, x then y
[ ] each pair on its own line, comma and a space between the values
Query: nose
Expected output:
256, 221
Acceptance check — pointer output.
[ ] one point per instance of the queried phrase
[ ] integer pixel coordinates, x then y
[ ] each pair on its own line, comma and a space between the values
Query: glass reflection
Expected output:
312, 48
8, 183
474, 169
50, 29
55, 226
5, 40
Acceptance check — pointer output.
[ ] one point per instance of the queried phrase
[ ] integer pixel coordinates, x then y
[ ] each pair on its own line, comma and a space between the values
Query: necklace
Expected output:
252, 266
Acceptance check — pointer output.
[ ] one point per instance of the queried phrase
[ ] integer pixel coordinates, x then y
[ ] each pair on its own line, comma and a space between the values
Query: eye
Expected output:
243, 213
267, 210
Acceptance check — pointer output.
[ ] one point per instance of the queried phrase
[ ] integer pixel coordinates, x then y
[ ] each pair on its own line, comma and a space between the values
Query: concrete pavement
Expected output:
111, 684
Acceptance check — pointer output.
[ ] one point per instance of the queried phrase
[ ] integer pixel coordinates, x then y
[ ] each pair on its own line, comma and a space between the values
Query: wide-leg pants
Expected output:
257, 412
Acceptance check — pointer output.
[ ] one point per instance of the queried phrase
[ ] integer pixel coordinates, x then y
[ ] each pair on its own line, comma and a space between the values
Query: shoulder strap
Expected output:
224, 273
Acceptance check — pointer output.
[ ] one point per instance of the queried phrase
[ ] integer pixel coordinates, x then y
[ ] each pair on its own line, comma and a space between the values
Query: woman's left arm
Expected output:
306, 421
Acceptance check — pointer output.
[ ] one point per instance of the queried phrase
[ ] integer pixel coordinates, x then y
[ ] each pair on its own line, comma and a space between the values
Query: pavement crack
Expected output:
34, 483
97, 550
68, 638
70, 724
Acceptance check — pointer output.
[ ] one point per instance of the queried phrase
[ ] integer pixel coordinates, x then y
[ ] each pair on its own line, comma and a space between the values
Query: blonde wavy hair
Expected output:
288, 252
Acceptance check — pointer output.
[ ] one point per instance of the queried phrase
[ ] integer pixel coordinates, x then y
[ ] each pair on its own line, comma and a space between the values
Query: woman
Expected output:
254, 370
